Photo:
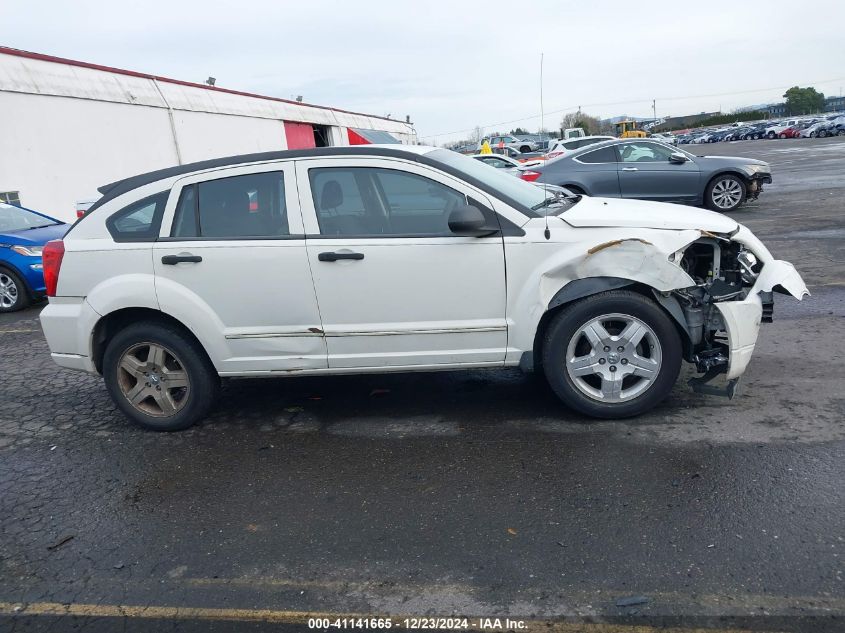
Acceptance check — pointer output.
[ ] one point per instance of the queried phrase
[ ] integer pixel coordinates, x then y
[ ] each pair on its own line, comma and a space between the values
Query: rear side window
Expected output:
603, 155
248, 206
140, 221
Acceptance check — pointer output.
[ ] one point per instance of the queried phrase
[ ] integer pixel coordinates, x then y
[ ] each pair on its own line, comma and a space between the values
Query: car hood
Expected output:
604, 212
35, 236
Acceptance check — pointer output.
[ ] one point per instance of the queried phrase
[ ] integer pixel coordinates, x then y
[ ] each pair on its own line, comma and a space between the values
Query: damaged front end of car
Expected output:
735, 280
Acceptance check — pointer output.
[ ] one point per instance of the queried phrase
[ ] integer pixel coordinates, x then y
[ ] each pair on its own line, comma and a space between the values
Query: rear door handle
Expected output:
630, 169
333, 257
172, 260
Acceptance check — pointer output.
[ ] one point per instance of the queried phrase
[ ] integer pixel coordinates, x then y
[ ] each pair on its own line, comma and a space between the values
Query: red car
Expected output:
790, 132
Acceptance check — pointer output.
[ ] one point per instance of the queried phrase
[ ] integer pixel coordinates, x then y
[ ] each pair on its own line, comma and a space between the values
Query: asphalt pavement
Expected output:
473, 493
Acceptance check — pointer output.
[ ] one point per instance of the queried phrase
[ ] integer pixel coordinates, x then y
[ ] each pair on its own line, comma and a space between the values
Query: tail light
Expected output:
51, 259
529, 175
79, 213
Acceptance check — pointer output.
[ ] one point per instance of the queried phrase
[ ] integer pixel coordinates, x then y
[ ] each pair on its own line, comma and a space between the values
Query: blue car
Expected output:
23, 234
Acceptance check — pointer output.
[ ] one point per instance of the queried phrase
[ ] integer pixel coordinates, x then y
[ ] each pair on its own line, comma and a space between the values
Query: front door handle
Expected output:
630, 169
172, 260
333, 257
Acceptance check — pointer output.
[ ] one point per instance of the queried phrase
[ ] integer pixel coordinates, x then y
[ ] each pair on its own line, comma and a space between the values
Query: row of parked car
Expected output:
807, 127
639, 168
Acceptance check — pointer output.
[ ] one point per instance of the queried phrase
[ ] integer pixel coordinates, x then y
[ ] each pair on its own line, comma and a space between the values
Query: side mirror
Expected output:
469, 221
677, 158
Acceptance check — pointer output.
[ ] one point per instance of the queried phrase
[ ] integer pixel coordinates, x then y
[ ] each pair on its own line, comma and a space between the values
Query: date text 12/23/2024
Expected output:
420, 623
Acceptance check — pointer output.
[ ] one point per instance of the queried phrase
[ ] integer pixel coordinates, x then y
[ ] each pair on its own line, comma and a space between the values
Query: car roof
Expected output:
119, 187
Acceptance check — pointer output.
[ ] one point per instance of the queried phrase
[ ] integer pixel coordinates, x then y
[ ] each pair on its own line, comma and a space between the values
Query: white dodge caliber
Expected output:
393, 259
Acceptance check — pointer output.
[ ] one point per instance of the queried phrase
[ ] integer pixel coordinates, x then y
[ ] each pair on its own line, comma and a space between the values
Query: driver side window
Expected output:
368, 201
644, 153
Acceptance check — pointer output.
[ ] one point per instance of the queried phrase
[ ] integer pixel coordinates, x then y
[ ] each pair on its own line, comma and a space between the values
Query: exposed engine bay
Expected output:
723, 270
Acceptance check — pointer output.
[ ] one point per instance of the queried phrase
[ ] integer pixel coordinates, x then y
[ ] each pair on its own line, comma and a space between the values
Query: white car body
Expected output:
669, 139
562, 146
507, 164
415, 303
513, 142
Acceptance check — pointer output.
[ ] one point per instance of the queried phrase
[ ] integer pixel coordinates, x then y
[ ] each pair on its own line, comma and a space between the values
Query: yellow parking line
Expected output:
298, 617
163, 612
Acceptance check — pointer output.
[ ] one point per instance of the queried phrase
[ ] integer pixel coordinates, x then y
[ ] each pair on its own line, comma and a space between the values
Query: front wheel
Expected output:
524, 149
13, 293
612, 355
725, 193
159, 377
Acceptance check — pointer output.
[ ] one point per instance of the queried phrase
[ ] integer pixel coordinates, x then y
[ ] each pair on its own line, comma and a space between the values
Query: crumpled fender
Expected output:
643, 257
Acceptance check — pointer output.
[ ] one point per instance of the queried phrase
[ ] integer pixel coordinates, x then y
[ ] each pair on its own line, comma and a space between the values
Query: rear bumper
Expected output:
68, 323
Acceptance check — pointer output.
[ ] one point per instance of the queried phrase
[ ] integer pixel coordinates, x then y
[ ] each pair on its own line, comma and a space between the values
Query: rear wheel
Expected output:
782, 135
822, 133
771, 135
159, 377
725, 193
612, 355
13, 293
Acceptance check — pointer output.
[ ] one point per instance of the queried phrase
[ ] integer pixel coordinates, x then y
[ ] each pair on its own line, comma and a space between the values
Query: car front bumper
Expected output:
743, 318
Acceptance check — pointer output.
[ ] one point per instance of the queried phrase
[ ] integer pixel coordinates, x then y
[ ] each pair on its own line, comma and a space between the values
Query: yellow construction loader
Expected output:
628, 129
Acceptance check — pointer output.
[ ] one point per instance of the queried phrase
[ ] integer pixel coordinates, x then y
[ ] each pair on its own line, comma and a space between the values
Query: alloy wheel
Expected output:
153, 379
8, 291
614, 358
727, 193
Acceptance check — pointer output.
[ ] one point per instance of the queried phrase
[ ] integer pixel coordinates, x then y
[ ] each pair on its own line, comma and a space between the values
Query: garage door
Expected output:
299, 135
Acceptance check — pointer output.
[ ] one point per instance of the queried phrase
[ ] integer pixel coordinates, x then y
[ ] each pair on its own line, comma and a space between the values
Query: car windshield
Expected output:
14, 218
521, 192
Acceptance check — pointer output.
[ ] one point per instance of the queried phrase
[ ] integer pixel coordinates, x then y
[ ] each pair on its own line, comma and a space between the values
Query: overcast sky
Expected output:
453, 65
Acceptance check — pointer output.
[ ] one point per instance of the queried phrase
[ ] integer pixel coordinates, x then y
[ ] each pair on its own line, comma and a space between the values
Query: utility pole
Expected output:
654, 109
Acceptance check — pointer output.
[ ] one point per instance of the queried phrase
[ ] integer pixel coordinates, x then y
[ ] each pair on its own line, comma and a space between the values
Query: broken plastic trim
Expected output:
701, 384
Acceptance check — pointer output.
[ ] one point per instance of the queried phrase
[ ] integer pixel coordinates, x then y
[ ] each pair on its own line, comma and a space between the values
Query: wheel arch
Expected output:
725, 172
111, 323
10, 267
29, 294
589, 286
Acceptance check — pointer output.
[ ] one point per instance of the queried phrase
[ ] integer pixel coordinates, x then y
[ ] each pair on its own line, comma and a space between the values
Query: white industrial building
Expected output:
69, 127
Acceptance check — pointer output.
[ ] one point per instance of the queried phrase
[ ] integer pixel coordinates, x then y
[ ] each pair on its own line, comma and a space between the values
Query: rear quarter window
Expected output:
139, 221
602, 155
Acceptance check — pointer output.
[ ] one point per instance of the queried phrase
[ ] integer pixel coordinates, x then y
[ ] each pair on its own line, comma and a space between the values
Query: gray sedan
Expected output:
648, 170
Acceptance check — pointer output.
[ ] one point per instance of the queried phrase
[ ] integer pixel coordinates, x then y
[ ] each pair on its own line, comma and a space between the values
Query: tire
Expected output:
771, 135
182, 363
841, 132
725, 192
812, 135
524, 149
602, 392
14, 295
823, 134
